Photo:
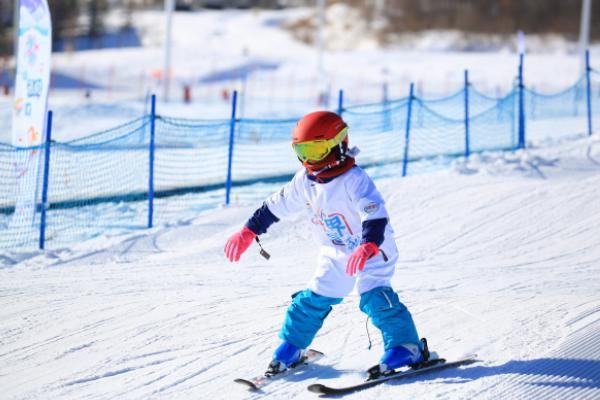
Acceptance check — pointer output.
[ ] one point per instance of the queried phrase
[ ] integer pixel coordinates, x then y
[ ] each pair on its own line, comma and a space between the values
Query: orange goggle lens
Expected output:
316, 150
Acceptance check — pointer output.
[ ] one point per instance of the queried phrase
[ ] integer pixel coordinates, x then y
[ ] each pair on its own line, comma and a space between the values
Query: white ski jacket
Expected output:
337, 210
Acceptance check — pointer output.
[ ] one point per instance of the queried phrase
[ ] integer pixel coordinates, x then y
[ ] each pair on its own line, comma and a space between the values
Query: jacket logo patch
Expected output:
371, 208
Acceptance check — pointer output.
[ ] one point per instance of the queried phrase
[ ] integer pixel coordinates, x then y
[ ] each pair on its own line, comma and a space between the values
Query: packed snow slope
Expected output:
499, 257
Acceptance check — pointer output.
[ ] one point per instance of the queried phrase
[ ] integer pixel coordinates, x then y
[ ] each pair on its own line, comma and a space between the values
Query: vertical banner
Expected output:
32, 81
33, 73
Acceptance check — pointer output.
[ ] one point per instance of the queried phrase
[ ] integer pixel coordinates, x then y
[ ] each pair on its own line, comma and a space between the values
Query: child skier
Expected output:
357, 246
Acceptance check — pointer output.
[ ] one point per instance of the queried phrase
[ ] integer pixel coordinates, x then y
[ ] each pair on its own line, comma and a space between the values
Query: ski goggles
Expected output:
316, 150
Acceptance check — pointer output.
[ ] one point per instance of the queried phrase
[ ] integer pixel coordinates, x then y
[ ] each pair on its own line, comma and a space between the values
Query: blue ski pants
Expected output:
305, 317
390, 316
308, 310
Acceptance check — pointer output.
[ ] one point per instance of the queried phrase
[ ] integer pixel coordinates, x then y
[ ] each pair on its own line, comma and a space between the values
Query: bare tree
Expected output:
482, 16
6, 27
64, 15
96, 11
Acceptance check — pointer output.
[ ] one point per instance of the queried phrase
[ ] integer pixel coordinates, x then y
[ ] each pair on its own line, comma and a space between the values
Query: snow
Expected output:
499, 257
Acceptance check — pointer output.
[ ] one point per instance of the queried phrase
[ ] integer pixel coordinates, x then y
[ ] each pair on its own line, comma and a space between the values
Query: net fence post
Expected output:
152, 149
407, 132
521, 104
44, 205
385, 92
588, 82
340, 109
231, 140
467, 136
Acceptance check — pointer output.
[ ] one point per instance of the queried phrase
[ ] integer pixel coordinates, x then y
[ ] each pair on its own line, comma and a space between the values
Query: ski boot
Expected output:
286, 356
413, 356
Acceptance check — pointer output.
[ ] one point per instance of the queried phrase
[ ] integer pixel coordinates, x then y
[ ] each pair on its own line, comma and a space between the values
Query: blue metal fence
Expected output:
154, 169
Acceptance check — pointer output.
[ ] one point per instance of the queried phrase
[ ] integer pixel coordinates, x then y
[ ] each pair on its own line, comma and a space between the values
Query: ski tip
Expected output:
316, 352
317, 388
249, 384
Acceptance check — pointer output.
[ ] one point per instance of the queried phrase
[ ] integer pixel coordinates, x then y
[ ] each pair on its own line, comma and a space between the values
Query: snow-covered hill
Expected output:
500, 256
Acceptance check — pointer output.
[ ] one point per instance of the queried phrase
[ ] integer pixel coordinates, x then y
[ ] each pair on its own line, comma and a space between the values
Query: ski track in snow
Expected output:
499, 262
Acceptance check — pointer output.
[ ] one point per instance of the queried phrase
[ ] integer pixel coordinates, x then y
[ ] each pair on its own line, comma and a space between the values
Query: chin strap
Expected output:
324, 169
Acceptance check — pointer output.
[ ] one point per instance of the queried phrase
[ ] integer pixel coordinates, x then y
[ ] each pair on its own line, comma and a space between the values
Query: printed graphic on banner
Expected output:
30, 105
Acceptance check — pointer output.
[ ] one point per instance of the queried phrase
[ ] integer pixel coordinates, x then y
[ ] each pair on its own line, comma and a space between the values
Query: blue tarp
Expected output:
58, 80
127, 37
240, 72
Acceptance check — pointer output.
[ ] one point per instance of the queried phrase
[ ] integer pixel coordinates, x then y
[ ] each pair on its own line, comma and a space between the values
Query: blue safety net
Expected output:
562, 113
379, 133
20, 192
495, 128
191, 159
94, 179
159, 169
595, 92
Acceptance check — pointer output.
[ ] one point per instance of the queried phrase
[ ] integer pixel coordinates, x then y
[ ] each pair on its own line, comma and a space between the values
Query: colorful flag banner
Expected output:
33, 73
32, 81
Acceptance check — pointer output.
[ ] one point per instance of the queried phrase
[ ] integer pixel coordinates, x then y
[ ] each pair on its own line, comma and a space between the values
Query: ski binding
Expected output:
260, 381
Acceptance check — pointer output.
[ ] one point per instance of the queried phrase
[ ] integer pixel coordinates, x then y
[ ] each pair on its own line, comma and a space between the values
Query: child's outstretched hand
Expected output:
359, 257
238, 243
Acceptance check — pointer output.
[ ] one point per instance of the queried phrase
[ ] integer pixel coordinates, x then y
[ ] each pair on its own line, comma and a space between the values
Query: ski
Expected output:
260, 381
437, 365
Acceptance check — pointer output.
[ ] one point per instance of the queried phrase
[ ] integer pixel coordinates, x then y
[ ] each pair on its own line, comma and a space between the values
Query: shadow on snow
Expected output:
576, 373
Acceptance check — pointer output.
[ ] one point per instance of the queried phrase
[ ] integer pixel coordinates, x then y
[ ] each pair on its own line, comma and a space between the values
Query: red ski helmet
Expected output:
317, 135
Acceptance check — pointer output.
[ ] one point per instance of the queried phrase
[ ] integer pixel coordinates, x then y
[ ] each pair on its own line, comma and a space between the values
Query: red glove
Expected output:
238, 243
359, 257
